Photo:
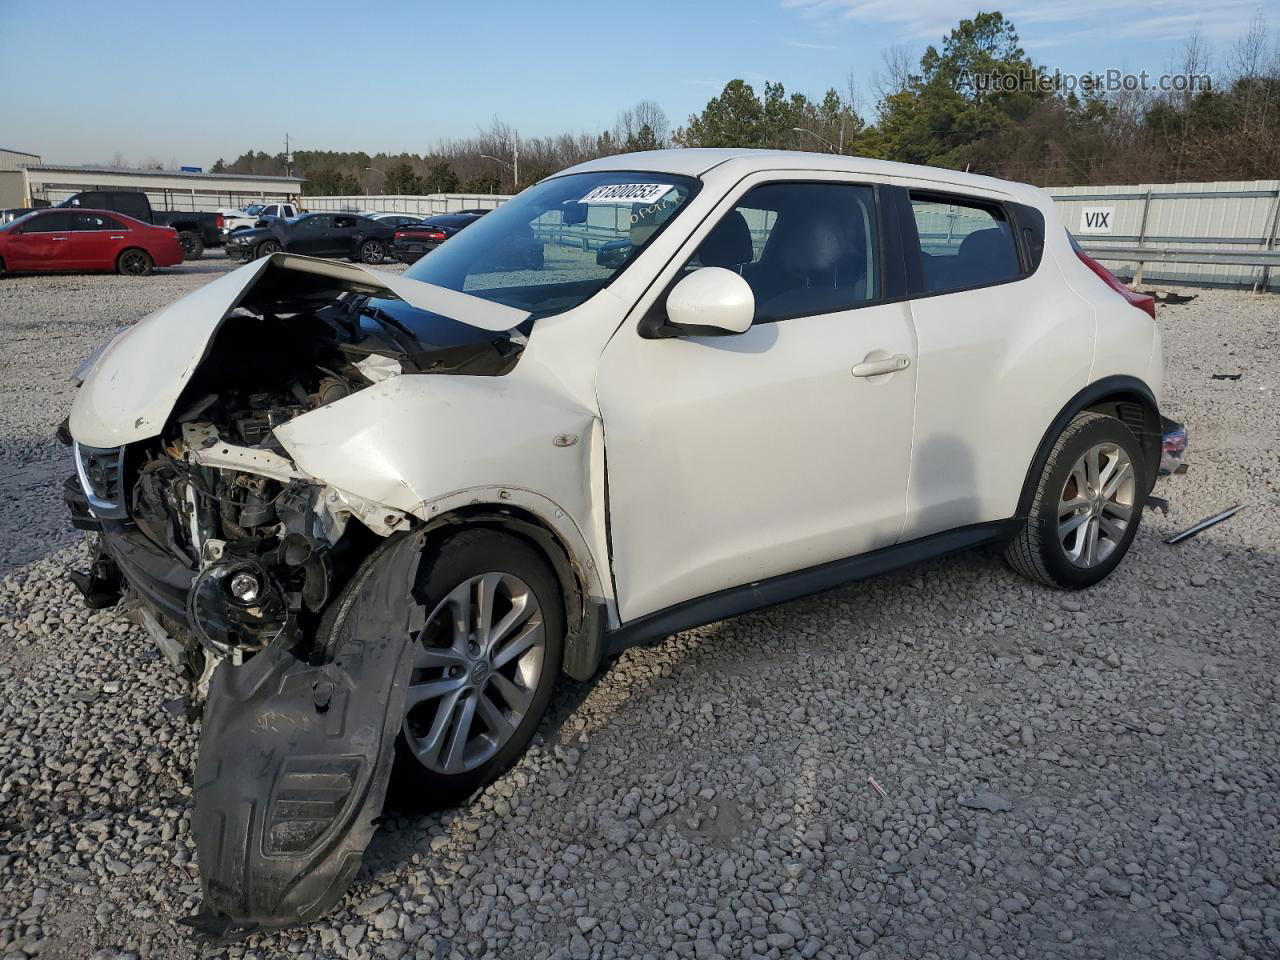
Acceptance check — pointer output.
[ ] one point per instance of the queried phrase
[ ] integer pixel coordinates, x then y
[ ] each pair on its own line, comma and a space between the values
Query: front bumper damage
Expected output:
295, 759
292, 623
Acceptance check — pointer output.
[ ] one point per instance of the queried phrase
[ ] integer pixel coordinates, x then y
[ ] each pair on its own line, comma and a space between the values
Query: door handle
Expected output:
59, 238
874, 368
118, 237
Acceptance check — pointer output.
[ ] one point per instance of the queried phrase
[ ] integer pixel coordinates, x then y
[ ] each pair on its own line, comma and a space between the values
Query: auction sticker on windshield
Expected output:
626, 193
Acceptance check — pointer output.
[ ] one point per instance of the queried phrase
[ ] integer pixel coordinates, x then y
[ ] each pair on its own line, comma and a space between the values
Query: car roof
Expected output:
699, 161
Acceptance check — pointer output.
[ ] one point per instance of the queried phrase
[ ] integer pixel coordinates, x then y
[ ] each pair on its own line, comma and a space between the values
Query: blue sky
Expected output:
82, 81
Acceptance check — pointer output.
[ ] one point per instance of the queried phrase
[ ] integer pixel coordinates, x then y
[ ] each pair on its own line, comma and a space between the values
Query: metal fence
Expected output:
426, 205
1221, 234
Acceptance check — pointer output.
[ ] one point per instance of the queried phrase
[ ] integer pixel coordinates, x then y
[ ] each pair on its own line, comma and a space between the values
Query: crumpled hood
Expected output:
131, 389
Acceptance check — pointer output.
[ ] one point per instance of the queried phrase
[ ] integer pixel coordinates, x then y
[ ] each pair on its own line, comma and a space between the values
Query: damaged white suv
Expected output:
373, 517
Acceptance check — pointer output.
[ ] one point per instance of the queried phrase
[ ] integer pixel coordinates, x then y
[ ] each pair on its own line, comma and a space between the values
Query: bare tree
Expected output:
894, 74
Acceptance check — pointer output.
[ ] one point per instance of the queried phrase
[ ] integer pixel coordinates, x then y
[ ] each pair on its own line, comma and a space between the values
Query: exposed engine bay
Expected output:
266, 547
285, 601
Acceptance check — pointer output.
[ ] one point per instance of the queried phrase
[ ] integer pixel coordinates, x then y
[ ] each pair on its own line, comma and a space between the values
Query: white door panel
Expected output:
996, 366
734, 459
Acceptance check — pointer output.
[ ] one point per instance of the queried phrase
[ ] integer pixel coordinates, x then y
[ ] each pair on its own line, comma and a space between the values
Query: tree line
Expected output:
943, 109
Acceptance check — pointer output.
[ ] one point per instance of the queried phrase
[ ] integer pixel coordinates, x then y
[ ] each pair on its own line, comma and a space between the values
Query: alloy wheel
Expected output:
476, 668
1096, 505
134, 264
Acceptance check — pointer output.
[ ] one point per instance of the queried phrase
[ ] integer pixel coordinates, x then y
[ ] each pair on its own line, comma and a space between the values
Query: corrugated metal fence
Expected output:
1239, 216
427, 204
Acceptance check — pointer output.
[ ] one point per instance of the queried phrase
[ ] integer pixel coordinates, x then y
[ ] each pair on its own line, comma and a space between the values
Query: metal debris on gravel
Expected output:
1065, 775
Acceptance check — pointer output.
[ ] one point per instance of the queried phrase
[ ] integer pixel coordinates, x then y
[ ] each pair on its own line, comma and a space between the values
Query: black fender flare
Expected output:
1121, 390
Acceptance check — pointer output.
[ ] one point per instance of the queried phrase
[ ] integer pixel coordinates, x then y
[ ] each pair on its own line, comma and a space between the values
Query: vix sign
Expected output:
1096, 219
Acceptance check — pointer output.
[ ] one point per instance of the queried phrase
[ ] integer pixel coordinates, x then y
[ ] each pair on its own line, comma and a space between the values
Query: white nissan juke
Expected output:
372, 517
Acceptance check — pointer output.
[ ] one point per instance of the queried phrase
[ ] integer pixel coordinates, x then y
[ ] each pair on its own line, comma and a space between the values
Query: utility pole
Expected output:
515, 167
288, 158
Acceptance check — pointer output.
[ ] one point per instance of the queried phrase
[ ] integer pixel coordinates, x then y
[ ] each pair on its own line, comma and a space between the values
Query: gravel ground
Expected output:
1063, 775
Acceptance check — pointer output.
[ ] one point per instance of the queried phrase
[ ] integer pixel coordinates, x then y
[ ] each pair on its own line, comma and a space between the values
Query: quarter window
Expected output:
804, 248
963, 245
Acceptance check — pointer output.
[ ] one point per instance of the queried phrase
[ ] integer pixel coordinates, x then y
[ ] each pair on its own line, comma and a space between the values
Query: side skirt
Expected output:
789, 586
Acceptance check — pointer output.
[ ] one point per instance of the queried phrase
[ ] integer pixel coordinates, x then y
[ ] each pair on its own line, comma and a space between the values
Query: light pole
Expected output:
834, 148
378, 170
513, 167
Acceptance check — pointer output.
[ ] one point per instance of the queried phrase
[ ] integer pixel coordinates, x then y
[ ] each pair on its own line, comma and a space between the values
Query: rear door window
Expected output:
96, 221
804, 248
963, 244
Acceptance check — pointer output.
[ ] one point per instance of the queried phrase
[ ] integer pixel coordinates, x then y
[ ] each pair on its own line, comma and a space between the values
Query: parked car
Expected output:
394, 219
377, 515
411, 241
195, 230
256, 214
64, 240
316, 234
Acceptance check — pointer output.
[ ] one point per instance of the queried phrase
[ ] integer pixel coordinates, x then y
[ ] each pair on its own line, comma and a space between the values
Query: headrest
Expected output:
813, 244
728, 244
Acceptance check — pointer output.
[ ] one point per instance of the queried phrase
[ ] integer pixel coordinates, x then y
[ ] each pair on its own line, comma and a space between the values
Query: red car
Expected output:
58, 239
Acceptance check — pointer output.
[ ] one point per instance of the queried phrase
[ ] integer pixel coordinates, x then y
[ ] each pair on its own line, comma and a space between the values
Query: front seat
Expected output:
818, 267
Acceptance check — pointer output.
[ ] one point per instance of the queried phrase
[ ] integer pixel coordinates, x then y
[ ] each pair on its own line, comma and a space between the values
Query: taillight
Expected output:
219, 222
1142, 301
435, 235
400, 235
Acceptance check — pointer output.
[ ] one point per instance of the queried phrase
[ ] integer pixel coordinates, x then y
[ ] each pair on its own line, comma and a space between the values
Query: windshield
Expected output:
253, 209
542, 250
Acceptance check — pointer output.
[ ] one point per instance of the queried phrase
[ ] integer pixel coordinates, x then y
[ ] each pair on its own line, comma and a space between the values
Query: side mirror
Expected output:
573, 213
710, 302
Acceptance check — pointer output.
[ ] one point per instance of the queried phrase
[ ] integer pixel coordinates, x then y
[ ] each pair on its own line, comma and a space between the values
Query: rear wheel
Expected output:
268, 247
373, 251
485, 665
1087, 506
135, 263
192, 245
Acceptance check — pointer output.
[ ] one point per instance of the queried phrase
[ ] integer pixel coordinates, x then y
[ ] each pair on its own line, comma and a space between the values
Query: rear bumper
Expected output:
406, 253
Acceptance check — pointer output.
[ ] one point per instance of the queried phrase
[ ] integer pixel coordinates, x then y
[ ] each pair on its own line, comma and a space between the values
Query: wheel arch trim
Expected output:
1109, 390
553, 533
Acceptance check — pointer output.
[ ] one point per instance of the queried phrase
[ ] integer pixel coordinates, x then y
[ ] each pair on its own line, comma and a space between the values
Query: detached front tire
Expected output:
485, 665
1087, 505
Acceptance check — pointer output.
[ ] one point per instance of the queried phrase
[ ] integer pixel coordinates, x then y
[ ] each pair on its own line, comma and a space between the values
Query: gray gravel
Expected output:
1064, 775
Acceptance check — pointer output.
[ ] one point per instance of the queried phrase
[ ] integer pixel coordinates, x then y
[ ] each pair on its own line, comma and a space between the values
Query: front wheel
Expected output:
484, 665
372, 251
267, 248
1087, 506
135, 263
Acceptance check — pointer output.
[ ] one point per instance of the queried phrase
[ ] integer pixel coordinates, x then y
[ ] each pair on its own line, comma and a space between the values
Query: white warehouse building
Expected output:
26, 182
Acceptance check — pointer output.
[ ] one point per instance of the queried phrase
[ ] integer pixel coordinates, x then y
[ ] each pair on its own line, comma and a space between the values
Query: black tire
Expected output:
465, 555
1036, 551
373, 251
135, 263
192, 245
266, 248
1, 265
